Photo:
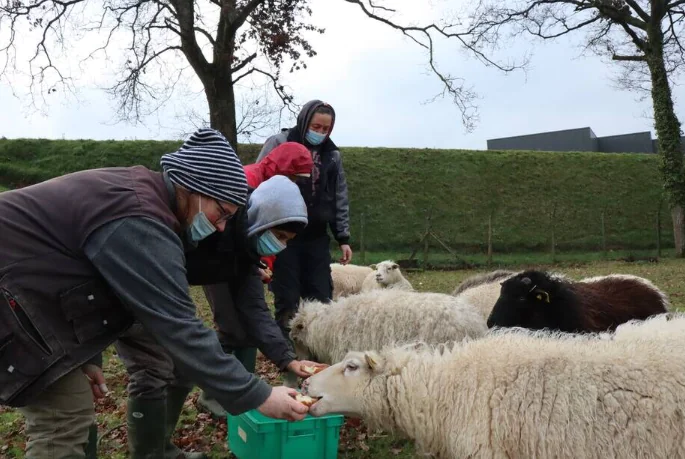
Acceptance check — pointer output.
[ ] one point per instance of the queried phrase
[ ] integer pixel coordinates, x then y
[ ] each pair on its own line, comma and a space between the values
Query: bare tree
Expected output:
643, 36
224, 42
426, 36
257, 115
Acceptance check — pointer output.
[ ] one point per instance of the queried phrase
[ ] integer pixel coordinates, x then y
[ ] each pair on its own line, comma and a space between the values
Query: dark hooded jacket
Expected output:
226, 265
325, 192
80, 258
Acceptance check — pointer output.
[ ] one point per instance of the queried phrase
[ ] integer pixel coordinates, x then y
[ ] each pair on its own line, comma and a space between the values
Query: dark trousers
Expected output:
232, 334
302, 270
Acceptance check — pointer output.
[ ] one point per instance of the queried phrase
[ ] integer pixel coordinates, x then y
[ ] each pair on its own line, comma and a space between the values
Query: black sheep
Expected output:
537, 300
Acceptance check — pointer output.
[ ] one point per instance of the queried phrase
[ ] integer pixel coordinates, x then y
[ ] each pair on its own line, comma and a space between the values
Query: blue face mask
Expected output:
200, 227
268, 244
314, 137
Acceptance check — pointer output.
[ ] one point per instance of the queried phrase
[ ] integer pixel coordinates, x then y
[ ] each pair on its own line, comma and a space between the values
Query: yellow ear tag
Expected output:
539, 296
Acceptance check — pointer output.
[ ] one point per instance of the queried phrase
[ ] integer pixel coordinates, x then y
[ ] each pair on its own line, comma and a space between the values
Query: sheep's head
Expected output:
387, 272
526, 300
338, 387
299, 325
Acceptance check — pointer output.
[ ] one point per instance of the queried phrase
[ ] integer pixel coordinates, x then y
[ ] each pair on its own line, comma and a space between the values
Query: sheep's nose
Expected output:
305, 386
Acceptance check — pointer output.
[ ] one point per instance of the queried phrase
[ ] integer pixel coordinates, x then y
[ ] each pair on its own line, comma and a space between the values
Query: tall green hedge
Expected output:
529, 194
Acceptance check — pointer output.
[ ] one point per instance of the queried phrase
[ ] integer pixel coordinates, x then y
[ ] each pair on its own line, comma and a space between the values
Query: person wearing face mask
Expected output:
241, 314
228, 262
290, 159
302, 270
85, 255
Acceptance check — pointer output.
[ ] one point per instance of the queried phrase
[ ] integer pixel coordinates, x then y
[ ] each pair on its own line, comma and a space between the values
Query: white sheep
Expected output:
387, 275
482, 290
523, 394
379, 318
348, 279
665, 326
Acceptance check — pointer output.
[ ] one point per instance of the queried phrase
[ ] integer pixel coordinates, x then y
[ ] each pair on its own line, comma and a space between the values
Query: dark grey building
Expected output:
582, 139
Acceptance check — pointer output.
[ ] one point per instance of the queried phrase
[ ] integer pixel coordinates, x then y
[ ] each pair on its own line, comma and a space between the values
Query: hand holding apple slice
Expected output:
305, 399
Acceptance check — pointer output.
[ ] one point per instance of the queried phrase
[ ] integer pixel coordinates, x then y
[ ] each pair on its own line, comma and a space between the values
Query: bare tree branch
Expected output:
281, 90
185, 15
379, 7
242, 64
616, 57
640, 12
237, 78
243, 14
207, 35
423, 36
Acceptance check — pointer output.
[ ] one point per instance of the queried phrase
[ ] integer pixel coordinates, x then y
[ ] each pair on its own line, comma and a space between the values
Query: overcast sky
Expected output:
378, 82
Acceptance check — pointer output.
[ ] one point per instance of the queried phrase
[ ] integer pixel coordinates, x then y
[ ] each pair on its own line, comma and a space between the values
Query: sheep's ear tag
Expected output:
541, 294
370, 361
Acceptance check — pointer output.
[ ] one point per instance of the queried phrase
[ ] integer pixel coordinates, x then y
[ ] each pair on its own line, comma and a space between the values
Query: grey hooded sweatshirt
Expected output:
274, 202
236, 291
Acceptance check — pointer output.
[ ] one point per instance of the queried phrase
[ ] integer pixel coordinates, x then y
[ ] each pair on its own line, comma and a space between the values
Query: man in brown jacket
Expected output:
84, 255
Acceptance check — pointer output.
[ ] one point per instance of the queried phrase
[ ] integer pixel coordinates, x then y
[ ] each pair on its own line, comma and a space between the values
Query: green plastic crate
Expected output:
252, 435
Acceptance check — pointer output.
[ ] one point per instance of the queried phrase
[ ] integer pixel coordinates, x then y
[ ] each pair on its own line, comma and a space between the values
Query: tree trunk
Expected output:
221, 100
668, 131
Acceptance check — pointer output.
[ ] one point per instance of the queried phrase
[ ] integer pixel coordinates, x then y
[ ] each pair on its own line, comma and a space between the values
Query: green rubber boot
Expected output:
176, 397
146, 428
248, 357
92, 445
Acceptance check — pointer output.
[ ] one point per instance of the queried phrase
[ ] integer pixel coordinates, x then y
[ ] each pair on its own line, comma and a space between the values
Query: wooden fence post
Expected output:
490, 238
604, 235
362, 248
425, 241
658, 231
554, 242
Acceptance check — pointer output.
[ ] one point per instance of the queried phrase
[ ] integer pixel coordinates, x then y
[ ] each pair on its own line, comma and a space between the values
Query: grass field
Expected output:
199, 432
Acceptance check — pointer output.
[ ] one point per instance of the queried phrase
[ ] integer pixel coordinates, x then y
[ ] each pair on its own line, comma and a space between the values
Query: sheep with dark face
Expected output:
537, 300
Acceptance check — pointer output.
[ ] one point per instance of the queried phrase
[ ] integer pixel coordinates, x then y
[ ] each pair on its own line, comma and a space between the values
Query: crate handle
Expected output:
300, 433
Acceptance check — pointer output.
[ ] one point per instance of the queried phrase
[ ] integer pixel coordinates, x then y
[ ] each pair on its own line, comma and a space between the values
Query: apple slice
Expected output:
312, 370
305, 399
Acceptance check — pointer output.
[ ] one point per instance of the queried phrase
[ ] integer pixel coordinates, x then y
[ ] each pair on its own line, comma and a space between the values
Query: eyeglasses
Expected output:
225, 216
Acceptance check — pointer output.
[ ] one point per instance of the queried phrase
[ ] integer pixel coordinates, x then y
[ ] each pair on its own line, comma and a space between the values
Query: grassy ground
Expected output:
199, 432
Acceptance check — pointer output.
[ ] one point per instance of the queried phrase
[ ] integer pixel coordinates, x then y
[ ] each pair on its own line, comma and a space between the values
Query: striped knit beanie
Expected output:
207, 164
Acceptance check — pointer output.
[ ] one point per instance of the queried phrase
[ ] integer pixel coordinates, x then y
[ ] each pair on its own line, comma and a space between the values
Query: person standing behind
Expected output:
302, 270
